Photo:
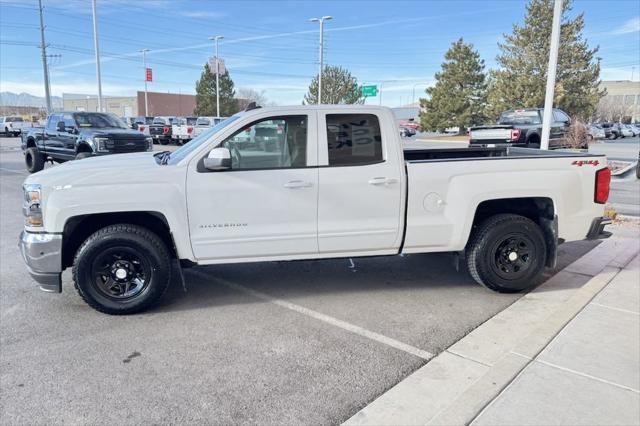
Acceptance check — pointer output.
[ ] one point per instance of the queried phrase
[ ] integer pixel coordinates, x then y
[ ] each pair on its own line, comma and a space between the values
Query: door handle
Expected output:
382, 181
294, 184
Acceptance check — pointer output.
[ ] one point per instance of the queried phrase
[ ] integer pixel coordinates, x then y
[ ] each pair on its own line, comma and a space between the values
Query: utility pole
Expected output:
45, 66
97, 51
632, 72
547, 116
321, 21
144, 65
215, 39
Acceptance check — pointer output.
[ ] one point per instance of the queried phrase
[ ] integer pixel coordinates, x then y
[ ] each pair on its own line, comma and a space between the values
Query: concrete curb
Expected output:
457, 384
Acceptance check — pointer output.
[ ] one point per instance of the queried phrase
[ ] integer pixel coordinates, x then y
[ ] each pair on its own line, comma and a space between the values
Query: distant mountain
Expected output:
25, 99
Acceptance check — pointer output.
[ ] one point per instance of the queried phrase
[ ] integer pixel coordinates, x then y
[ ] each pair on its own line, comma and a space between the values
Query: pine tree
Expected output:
338, 87
459, 96
206, 94
521, 80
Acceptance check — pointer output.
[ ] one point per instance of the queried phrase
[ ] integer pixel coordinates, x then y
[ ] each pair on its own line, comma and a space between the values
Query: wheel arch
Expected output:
84, 147
540, 210
31, 142
78, 228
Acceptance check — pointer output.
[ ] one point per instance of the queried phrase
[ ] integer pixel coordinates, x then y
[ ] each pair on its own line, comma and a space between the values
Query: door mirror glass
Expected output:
219, 159
60, 126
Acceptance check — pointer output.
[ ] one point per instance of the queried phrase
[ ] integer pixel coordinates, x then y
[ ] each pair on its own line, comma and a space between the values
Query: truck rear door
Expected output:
361, 183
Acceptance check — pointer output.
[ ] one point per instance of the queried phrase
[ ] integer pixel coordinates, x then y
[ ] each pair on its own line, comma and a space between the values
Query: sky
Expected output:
271, 47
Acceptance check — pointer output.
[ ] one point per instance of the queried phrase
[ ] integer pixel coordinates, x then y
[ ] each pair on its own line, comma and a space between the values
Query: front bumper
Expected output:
42, 253
596, 231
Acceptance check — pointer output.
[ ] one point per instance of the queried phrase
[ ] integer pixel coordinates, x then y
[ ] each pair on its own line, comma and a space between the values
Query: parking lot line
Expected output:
372, 335
12, 171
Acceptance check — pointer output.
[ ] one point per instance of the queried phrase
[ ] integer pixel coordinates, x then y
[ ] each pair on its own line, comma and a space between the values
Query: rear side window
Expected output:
560, 116
353, 139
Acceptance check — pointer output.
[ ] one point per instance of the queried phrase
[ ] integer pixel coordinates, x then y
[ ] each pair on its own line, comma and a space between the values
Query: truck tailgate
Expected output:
502, 133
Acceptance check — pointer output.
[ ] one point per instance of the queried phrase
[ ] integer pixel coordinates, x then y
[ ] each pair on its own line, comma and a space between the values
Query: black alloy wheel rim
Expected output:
120, 273
513, 256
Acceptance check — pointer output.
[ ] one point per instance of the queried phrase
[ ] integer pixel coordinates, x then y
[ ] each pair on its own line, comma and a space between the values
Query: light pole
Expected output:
413, 96
97, 50
216, 38
144, 65
321, 21
45, 66
551, 74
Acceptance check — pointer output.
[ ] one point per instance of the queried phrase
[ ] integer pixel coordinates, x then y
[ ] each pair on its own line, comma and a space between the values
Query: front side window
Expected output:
52, 124
353, 139
277, 142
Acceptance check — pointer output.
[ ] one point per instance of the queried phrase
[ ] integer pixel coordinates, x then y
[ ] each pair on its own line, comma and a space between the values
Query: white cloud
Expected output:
631, 26
619, 73
202, 14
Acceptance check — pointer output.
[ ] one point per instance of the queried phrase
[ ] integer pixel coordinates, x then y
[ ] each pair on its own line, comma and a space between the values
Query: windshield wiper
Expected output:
162, 157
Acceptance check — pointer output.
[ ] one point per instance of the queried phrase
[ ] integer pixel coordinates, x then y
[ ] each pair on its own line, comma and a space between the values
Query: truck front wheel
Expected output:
34, 160
122, 269
507, 253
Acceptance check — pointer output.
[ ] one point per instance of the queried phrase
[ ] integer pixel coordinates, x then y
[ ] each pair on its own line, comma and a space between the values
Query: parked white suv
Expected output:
333, 182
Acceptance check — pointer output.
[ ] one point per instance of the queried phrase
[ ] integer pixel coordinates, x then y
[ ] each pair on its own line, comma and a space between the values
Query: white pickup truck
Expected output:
182, 129
335, 182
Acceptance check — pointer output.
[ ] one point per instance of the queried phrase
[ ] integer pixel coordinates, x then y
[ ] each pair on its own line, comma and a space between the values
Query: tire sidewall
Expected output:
158, 282
498, 233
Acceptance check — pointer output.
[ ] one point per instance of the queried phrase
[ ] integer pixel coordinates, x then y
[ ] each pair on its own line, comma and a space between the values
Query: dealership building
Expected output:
625, 93
171, 104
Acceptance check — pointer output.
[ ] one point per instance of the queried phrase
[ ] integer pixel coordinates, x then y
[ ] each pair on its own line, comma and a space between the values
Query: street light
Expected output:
321, 21
215, 39
144, 65
413, 96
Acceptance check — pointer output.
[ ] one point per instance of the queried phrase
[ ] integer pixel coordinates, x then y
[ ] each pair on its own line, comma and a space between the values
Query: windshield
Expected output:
98, 120
195, 143
519, 117
160, 120
203, 122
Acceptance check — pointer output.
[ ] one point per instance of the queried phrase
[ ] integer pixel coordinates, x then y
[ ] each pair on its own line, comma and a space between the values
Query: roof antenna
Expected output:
252, 105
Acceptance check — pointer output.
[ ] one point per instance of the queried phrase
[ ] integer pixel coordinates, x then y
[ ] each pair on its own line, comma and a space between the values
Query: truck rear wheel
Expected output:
507, 253
122, 269
34, 160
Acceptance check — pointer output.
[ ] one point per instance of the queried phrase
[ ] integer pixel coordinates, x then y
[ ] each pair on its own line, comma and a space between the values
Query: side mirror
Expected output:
60, 126
219, 159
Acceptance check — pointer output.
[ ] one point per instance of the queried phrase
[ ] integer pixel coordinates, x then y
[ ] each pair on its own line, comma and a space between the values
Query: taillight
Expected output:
165, 130
603, 184
141, 128
515, 134
189, 130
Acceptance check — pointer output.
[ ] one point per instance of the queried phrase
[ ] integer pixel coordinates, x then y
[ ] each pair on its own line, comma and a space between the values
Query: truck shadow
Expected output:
413, 276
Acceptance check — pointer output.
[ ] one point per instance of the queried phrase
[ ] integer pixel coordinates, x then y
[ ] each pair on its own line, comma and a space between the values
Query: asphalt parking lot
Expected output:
306, 342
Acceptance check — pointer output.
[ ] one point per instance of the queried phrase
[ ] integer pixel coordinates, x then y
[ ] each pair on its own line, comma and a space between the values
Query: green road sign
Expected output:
369, 91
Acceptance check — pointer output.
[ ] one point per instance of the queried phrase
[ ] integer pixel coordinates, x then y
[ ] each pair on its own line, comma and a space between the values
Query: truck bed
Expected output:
476, 153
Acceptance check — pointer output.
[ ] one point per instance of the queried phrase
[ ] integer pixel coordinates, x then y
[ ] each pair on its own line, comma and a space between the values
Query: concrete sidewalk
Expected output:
589, 373
565, 353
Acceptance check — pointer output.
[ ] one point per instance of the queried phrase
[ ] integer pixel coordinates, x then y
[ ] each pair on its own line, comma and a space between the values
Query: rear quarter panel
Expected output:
443, 196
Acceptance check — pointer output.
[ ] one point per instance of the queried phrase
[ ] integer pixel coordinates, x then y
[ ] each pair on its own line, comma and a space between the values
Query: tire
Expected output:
16, 134
493, 243
122, 269
163, 142
34, 160
81, 155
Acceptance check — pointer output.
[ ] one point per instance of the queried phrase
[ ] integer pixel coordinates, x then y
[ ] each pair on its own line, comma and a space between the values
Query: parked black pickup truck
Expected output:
521, 128
160, 129
75, 135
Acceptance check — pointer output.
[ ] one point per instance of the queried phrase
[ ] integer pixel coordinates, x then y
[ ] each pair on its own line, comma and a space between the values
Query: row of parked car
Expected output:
613, 130
170, 129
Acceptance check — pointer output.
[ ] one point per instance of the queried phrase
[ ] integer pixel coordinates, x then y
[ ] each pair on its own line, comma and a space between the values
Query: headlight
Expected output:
103, 144
32, 206
149, 144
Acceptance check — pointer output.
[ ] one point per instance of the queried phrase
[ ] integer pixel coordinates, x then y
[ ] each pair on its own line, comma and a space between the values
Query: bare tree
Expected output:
246, 95
611, 108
